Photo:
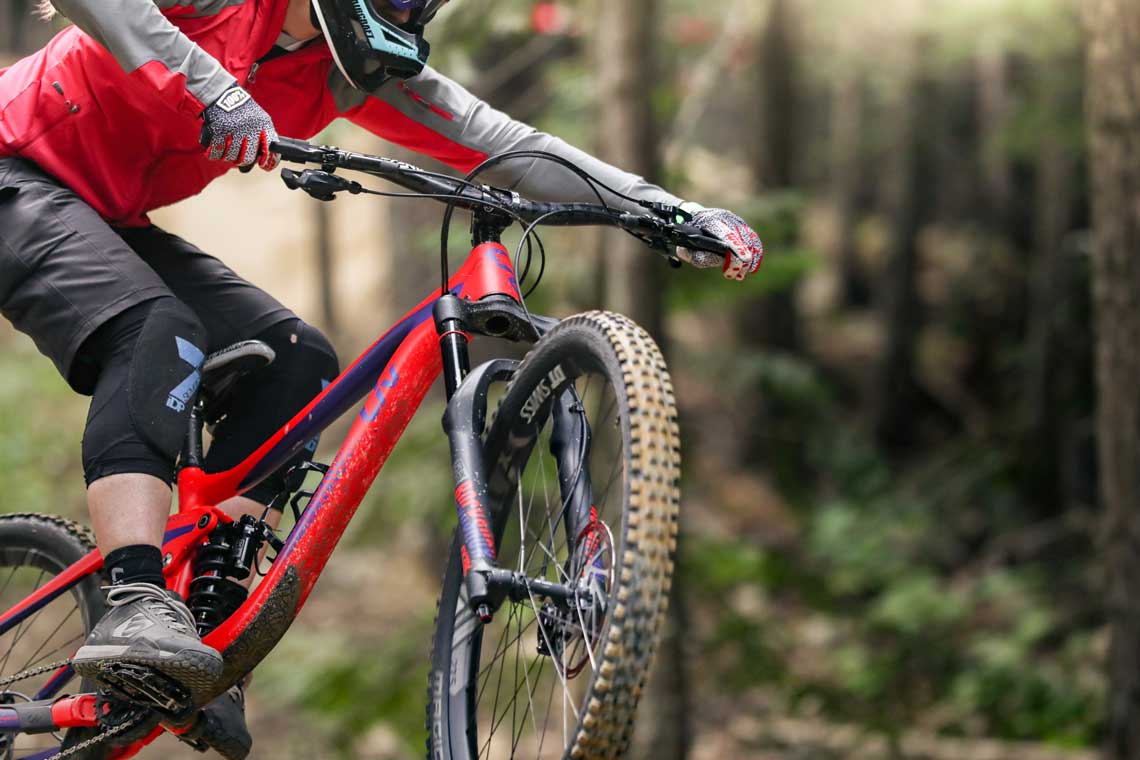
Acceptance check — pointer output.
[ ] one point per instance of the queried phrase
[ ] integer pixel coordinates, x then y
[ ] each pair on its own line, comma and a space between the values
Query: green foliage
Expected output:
41, 422
348, 685
891, 622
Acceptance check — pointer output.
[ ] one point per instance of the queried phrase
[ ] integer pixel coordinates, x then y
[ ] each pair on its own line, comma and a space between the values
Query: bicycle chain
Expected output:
98, 738
34, 672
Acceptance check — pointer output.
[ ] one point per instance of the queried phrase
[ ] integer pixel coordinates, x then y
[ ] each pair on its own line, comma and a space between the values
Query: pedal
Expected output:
144, 687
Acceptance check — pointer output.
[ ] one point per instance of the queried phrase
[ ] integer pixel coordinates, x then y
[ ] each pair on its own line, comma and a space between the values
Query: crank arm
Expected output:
47, 715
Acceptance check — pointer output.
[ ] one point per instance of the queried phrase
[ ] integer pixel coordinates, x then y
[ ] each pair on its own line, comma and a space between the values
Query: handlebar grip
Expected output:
294, 150
694, 238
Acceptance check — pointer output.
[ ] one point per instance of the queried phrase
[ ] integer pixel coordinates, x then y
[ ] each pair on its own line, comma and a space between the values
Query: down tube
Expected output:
386, 413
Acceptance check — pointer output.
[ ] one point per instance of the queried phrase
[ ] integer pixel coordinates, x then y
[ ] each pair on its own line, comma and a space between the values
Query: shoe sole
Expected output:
227, 746
196, 671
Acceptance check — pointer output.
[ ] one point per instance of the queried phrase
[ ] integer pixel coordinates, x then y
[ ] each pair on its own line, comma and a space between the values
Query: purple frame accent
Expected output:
55, 683
47, 753
170, 535
345, 392
6, 624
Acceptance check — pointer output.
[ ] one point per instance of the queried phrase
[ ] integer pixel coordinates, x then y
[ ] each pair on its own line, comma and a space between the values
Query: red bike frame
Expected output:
394, 374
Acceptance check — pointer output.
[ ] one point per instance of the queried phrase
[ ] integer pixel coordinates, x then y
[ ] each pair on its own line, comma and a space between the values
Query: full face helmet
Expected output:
367, 47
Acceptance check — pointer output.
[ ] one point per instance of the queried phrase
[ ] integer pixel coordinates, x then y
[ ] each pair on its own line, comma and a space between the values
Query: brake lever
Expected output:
674, 215
695, 238
319, 184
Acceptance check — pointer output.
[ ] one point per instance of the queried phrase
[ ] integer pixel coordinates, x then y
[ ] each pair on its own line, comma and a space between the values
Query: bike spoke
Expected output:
24, 626
498, 689
66, 646
502, 648
542, 703
48, 638
11, 575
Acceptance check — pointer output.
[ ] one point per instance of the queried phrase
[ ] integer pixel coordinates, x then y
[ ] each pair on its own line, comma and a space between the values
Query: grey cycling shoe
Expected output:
220, 726
149, 627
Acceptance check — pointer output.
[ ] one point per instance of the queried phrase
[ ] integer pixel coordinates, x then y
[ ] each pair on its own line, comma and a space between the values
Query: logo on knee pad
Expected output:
181, 394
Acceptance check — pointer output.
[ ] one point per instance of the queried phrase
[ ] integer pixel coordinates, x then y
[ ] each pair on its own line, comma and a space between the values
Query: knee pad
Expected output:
165, 372
138, 417
303, 352
304, 364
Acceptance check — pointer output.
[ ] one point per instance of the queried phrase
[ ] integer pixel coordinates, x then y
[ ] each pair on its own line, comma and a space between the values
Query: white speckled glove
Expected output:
747, 250
237, 130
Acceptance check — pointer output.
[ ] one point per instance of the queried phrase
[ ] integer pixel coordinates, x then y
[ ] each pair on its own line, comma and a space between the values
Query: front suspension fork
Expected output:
464, 421
570, 447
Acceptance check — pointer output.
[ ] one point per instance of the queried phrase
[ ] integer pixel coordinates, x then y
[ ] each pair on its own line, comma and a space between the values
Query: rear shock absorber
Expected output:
213, 595
228, 557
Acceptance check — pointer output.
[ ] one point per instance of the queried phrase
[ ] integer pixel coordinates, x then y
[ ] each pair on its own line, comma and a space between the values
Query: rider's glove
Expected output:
237, 130
747, 250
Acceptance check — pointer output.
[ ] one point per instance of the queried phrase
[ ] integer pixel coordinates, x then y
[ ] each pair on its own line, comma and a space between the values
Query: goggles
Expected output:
427, 8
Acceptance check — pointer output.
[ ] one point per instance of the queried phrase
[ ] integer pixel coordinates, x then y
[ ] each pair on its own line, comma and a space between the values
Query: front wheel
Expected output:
584, 466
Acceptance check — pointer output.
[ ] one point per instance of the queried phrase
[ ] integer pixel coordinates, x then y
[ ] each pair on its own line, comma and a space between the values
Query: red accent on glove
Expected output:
266, 159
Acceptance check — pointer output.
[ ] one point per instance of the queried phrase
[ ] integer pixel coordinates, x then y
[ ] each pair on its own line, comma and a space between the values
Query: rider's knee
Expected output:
149, 359
303, 354
304, 363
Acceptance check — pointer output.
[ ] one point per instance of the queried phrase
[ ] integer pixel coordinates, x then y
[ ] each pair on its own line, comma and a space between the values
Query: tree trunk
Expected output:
634, 281
847, 114
1113, 118
913, 189
992, 72
770, 322
775, 151
1050, 372
324, 255
628, 138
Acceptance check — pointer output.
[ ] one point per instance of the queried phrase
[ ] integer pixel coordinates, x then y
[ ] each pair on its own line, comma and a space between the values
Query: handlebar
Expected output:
662, 224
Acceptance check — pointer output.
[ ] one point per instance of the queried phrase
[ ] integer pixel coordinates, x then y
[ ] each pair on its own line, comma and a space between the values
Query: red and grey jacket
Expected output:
111, 106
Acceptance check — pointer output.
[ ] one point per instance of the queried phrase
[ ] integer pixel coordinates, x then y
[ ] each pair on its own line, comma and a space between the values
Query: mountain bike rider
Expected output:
106, 123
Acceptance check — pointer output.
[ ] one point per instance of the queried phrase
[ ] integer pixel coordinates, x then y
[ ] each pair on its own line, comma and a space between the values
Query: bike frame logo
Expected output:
379, 396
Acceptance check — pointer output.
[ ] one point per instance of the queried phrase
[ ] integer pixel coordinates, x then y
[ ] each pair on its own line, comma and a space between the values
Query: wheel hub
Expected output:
570, 634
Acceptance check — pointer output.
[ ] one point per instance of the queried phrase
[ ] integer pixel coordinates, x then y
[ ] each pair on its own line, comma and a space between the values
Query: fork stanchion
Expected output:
451, 325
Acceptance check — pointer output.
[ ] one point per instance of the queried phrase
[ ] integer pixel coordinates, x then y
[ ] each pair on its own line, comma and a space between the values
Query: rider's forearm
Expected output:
545, 180
434, 115
143, 40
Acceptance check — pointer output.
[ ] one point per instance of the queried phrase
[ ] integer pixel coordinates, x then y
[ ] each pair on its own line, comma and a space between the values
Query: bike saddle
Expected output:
221, 371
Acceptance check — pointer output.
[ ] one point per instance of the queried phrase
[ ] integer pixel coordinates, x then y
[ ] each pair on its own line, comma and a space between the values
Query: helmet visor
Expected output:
430, 8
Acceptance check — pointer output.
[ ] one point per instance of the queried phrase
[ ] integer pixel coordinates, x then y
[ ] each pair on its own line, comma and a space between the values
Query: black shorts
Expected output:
64, 272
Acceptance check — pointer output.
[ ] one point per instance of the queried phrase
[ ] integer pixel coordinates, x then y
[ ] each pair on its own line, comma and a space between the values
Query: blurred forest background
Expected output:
897, 541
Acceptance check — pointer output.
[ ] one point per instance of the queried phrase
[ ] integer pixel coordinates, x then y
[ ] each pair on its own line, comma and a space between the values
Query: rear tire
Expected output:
33, 550
595, 668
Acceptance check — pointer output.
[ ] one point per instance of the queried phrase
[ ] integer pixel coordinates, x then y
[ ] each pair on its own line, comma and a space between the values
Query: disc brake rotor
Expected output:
579, 629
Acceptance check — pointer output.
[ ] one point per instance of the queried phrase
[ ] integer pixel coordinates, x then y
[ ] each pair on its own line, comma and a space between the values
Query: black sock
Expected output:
138, 563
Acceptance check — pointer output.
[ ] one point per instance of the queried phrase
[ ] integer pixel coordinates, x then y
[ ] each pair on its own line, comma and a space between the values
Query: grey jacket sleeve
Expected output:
137, 33
455, 126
